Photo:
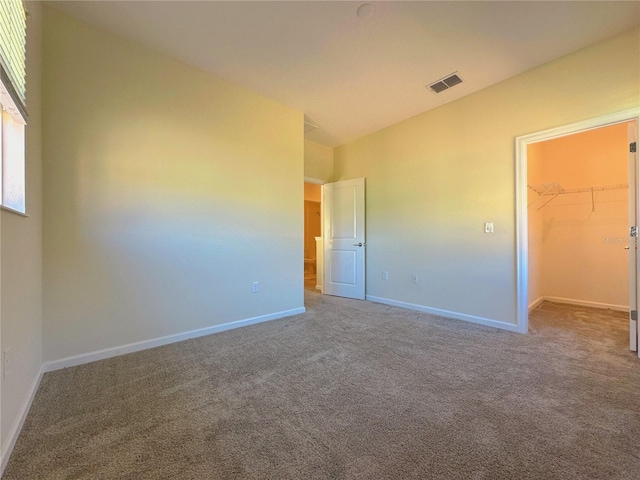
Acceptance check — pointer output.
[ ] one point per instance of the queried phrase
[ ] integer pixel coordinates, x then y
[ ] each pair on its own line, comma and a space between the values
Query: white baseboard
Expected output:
121, 350
446, 313
584, 303
14, 433
157, 342
535, 303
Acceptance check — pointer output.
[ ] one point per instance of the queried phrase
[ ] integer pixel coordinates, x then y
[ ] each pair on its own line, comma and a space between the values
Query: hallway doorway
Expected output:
312, 232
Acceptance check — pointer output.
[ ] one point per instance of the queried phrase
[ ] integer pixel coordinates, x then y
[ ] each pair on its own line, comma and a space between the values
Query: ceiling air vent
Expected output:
445, 83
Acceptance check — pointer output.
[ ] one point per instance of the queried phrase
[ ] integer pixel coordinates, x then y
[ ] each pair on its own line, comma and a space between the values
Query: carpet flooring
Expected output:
350, 390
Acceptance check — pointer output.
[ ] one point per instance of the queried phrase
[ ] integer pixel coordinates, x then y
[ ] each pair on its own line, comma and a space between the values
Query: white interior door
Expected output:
633, 239
344, 238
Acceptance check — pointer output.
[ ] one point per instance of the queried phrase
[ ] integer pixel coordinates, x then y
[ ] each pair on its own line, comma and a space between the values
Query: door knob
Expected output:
359, 244
626, 248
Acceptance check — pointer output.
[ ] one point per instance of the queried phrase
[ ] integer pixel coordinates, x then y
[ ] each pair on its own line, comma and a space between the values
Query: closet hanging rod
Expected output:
595, 189
554, 189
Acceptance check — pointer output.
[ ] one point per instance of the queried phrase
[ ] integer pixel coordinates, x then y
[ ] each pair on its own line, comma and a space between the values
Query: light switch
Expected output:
488, 227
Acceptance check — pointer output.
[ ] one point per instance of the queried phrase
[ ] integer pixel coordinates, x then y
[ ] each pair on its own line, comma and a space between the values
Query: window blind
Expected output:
13, 29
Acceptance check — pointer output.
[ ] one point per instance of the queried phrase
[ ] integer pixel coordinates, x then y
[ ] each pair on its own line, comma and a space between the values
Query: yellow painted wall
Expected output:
434, 179
583, 243
167, 193
318, 161
22, 258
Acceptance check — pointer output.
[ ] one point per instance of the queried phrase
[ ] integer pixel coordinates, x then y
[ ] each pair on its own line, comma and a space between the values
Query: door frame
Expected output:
522, 220
317, 181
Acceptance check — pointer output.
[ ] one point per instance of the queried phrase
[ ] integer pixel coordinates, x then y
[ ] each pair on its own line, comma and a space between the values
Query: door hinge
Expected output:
632, 147
634, 315
633, 231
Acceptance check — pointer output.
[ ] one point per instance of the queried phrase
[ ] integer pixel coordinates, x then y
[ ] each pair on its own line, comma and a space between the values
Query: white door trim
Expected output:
317, 181
522, 226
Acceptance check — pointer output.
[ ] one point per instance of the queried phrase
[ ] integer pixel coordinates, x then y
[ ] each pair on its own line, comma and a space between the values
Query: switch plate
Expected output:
385, 275
488, 227
415, 279
255, 287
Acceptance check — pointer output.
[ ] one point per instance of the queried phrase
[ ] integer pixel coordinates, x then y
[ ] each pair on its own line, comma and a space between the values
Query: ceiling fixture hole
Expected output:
366, 11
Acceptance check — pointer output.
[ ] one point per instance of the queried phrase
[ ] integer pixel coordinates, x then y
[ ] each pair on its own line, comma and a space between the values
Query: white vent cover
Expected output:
308, 127
445, 83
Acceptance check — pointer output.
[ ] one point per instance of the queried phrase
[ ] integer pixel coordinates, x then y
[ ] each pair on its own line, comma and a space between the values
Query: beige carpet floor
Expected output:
350, 390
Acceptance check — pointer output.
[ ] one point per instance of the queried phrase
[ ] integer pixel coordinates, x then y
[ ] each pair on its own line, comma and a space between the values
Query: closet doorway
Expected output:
578, 219
525, 255
312, 232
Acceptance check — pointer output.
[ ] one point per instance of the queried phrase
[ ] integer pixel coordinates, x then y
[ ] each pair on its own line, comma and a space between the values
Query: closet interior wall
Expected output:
577, 238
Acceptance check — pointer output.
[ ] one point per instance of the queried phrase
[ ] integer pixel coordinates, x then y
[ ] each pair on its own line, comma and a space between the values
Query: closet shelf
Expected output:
554, 189
543, 189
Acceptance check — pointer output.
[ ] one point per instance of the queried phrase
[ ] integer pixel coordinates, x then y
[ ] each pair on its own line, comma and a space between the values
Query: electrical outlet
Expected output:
6, 364
488, 227
385, 275
415, 279
255, 287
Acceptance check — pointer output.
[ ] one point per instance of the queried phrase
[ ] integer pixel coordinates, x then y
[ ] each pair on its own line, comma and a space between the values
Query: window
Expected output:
13, 28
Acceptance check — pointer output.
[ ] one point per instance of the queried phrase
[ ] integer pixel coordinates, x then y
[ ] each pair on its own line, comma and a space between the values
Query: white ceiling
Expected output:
351, 76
